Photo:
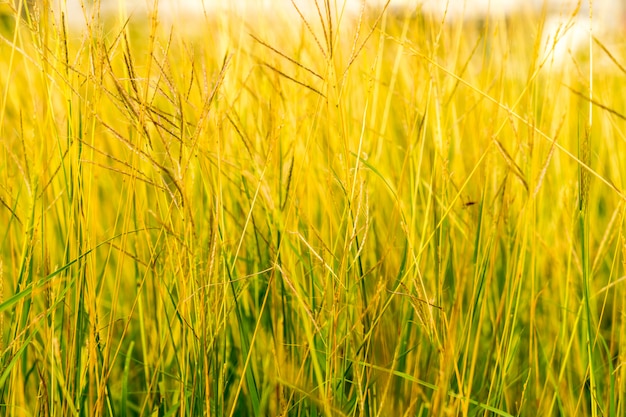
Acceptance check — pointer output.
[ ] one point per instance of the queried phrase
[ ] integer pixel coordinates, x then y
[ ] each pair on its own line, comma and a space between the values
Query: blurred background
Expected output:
565, 24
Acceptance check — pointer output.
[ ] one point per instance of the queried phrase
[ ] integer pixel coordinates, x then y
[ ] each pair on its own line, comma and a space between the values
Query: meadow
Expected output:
316, 214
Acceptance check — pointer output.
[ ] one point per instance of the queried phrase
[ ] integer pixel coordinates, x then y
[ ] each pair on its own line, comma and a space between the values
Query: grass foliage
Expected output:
316, 215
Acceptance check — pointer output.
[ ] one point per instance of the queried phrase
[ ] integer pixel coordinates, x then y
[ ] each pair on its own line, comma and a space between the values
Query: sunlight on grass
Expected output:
308, 214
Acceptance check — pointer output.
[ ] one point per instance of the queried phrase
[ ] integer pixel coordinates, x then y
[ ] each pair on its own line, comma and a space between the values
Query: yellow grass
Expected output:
319, 215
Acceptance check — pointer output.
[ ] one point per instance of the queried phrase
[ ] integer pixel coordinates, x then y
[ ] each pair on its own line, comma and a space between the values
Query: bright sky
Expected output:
608, 14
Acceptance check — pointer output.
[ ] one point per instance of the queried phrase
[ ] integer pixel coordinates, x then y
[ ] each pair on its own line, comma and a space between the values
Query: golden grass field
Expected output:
376, 215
